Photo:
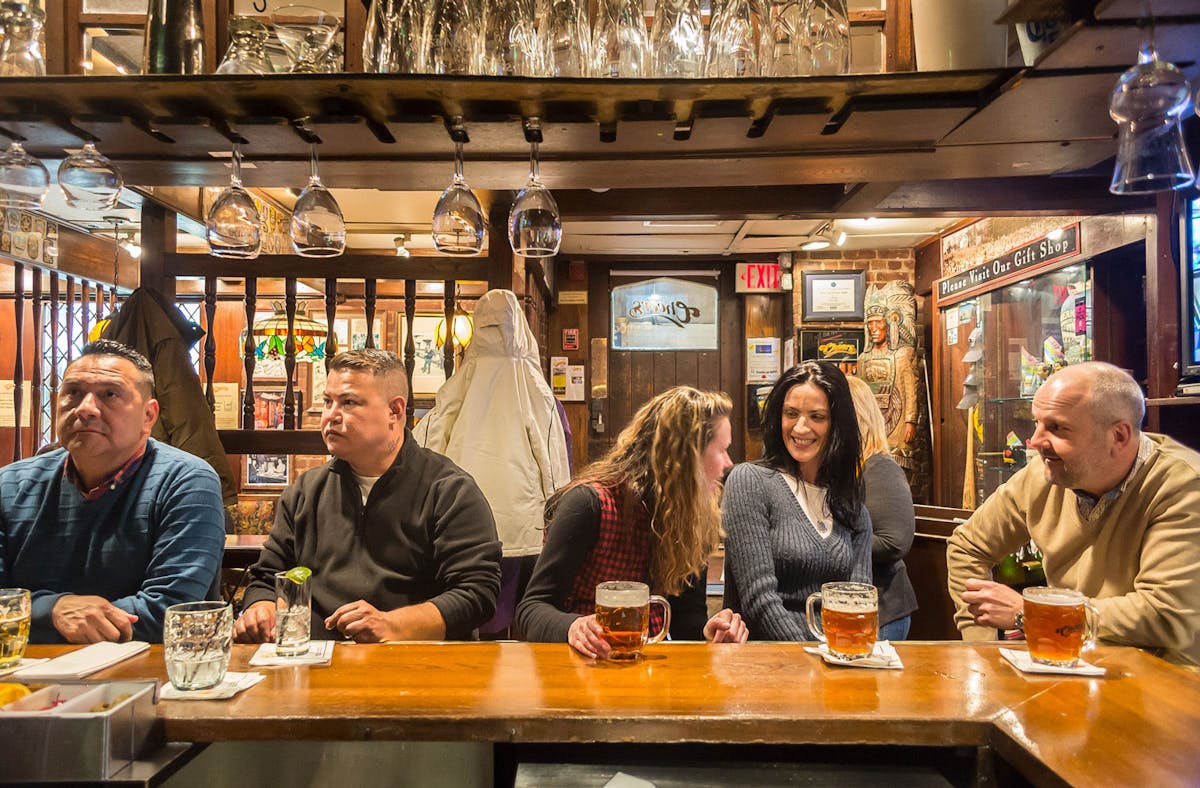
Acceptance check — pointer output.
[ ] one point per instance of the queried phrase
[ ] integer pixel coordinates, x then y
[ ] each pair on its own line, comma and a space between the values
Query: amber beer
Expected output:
849, 620
623, 612
14, 625
1057, 625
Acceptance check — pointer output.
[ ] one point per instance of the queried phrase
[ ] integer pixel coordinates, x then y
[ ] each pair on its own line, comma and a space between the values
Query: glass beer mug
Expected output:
623, 612
849, 620
1059, 624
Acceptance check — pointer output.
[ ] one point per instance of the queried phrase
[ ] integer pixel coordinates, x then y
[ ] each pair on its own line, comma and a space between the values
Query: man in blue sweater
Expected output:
114, 527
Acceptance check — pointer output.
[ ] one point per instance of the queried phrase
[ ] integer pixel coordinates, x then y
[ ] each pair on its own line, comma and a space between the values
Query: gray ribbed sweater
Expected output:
774, 557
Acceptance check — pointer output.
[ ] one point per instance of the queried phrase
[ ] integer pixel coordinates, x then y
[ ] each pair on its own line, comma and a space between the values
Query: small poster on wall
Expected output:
762, 360
227, 405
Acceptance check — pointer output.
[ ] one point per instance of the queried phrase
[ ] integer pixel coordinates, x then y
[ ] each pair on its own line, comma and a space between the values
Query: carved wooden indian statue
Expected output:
889, 364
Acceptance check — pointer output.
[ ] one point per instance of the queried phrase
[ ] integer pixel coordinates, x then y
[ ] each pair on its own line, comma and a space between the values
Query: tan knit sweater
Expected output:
1138, 558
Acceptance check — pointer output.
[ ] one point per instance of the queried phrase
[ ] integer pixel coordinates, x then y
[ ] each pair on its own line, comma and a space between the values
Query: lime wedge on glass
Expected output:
298, 574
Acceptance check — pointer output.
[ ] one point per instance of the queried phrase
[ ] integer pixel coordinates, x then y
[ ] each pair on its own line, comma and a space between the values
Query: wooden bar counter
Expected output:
1135, 725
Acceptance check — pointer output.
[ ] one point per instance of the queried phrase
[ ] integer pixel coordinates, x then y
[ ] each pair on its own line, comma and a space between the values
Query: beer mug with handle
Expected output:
849, 620
623, 612
1059, 624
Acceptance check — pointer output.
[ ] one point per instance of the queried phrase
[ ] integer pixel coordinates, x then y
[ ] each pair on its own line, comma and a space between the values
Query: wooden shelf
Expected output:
1170, 402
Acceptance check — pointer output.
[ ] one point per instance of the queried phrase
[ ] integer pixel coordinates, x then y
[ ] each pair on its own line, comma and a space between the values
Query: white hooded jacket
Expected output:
497, 420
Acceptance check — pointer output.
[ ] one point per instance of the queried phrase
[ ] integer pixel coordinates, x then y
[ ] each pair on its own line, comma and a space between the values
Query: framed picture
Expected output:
264, 471
832, 295
831, 344
430, 371
269, 406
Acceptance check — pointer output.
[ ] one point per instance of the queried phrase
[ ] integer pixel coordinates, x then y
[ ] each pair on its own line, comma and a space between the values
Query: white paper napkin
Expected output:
1020, 659
883, 657
21, 664
232, 684
320, 652
83, 662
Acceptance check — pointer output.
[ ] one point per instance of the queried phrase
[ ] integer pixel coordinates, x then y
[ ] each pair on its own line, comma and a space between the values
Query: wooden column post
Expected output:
506, 271
158, 240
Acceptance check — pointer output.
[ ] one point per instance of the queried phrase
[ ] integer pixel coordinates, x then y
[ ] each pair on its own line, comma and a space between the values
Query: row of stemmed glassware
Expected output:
88, 179
534, 224
746, 38
233, 225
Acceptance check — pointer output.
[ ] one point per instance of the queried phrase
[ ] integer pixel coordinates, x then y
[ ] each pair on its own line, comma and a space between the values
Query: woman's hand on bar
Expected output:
726, 627
587, 637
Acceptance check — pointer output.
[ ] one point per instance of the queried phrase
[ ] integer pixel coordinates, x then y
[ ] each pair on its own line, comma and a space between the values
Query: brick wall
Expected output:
881, 265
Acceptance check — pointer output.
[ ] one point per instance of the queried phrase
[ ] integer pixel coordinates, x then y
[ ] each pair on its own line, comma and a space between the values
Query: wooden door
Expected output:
635, 376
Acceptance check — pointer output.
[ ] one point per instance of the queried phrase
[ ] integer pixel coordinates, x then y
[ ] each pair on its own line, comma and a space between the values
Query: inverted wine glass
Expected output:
620, 45
733, 39
233, 226
1148, 104
318, 228
566, 36
534, 225
456, 37
677, 40
24, 180
306, 33
89, 180
458, 221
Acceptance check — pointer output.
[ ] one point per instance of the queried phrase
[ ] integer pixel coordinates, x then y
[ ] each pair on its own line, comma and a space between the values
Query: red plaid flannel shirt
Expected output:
621, 552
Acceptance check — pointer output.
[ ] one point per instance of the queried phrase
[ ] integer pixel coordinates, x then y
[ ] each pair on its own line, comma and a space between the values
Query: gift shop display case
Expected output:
1005, 326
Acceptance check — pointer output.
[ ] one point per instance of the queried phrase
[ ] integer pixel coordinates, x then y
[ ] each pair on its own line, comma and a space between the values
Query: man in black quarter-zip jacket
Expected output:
400, 540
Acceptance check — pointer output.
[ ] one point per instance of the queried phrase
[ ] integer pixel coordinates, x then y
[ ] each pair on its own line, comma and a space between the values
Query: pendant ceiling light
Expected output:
270, 337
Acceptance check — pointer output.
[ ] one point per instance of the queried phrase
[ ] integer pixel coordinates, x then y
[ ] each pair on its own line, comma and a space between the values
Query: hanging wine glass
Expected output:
677, 39
89, 180
566, 35
784, 50
318, 229
829, 37
456, 38
24, 181
1148, 105
620, 45
20, 40
733, 39
306, 33
247, 48
233, 226
534, 225
458, 222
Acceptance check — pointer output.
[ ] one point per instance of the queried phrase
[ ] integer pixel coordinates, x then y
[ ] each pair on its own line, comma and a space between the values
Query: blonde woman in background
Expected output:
889, 502
648, 511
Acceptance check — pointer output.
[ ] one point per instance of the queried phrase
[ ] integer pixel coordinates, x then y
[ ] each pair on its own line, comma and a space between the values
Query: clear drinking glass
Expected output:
734, 39
396, 40
247, 48
849, 621
456, 38
534, 225
317, 229
1148, 105
510, 42
89, 180
784, 50
458, 221
829, 37
197, 637
20, 52
566, 36
620, 45
14, 625
293, 614
234, 228
677, 40
306, 32
24, 180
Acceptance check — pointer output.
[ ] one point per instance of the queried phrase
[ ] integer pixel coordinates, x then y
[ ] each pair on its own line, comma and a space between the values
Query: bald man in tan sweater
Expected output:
1115, 512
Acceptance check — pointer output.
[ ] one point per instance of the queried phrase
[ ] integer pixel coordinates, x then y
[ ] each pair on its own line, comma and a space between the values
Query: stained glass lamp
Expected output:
270, 337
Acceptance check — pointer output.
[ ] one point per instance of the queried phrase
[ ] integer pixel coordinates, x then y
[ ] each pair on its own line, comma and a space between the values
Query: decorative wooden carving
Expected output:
70, 318
210, 338
35, 386
448, 316
369, 297
19, 355
55, 306
331, 347
410, 344
289, 354
248, 348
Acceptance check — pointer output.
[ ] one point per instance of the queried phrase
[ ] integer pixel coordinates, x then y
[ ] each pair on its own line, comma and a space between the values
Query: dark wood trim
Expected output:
350, 266
1162, 302
272, 441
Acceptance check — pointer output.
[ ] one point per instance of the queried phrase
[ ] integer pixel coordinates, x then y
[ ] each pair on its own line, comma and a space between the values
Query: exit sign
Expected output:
758, 278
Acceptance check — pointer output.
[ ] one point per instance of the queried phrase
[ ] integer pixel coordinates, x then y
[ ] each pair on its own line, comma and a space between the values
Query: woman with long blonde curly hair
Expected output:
648, 511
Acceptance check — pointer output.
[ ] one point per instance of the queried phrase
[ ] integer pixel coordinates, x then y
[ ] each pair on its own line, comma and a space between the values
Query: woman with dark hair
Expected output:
647, 511
795, 519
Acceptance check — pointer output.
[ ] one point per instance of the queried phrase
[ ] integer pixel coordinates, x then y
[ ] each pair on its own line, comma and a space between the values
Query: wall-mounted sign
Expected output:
762, 359
664, 314
1016, 264
572, 297
558, 376
758, 278
25, 236
839, 345
570, 339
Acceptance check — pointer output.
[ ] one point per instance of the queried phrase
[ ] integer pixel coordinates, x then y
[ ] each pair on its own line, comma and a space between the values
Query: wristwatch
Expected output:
1019, 620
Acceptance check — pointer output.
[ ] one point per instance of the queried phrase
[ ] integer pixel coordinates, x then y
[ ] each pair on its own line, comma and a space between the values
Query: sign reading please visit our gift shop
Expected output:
664, 314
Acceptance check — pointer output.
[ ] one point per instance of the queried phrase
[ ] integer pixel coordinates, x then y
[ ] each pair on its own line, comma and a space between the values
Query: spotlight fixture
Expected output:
401, 248
841, 239
818, 240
